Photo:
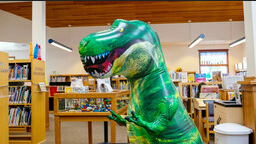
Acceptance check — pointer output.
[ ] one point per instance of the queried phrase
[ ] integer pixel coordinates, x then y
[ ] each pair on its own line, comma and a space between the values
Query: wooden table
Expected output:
89, 116
199, 107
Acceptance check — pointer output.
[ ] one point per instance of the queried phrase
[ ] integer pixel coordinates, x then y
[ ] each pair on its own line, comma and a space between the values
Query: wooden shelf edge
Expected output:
19, 80
21, 104
19, 126
20, 61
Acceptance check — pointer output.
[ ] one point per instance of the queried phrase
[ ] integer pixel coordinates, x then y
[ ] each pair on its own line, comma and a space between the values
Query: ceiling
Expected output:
101, 13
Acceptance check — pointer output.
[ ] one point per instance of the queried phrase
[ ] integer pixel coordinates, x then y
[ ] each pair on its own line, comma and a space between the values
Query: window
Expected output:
213, 60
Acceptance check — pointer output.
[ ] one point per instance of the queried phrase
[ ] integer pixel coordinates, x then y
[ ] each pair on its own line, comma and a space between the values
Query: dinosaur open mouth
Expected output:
101, 64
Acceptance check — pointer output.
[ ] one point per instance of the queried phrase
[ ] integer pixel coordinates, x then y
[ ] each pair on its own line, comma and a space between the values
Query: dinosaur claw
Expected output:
127, 118
133, 112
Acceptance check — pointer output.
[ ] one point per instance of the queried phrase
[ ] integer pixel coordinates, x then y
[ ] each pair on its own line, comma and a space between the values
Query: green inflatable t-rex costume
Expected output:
155, 112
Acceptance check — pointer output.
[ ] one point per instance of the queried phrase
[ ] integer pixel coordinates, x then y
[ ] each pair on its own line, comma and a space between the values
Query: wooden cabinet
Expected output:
4, 132
227, 114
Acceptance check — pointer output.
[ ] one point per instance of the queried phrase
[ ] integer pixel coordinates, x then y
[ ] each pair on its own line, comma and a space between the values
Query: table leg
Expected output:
90, 132
105, 131
57, 130
113, 132
200, 124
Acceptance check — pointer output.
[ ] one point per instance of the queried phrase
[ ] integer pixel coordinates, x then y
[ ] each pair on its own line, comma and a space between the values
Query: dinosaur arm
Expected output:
116, 118
167, 108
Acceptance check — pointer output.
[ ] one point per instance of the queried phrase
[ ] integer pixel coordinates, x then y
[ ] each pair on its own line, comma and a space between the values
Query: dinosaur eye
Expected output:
86, 43
122, 29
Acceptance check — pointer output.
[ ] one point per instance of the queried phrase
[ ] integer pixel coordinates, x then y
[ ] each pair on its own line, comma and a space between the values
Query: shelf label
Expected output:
2, 68
39, 71
27, 83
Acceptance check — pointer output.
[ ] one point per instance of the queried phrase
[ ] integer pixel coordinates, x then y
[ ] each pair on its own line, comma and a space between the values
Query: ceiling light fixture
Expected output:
196, 41
59, 45
237, 42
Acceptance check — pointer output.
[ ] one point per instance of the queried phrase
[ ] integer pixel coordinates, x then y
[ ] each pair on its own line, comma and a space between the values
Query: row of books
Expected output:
19, 72
58, 79
179, 76
197, 77
19, 95
187, 92
19, 116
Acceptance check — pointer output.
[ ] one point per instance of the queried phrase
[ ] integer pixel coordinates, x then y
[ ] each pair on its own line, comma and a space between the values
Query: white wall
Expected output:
174, 39
188, 59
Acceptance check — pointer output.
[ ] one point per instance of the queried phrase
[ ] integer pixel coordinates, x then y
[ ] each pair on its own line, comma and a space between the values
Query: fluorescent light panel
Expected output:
196, 41
237, 42
59, 45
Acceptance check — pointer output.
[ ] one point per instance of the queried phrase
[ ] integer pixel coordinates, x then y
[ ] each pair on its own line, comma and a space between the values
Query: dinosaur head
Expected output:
125, 48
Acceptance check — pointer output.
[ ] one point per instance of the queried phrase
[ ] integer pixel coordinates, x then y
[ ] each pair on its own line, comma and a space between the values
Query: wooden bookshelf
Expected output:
4, 65
34, 133
67, 80
187, 100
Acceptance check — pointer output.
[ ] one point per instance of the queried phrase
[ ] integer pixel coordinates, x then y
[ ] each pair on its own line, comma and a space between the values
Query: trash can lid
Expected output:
232, 129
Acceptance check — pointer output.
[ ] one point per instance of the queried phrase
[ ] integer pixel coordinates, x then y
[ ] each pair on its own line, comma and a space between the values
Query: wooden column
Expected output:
249, 103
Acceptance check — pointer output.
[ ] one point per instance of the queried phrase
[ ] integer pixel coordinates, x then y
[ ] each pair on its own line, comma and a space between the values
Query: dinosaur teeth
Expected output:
103, 55
96, 73
85, 60
99, 56
93, 59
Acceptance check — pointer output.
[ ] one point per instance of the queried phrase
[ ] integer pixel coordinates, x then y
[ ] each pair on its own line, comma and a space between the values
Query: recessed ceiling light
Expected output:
149, 22
108, 24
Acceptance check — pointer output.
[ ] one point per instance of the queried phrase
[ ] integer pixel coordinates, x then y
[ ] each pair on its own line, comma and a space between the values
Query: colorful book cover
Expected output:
216, 76
191, 77
200, 77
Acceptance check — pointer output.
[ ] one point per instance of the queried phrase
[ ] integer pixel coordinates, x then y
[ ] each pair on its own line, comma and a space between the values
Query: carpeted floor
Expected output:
76, 133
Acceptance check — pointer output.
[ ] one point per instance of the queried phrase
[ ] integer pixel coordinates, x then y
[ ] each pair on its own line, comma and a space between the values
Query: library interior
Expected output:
101, 72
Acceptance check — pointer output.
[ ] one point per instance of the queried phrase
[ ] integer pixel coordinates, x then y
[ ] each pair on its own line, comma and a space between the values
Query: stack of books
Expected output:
19, 95
18, 72
19, 116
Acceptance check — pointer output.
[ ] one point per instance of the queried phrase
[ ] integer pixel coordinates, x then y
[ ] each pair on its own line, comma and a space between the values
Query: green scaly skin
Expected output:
155, 113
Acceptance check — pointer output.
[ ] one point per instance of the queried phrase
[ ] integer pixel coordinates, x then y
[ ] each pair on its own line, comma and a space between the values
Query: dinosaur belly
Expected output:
180, 129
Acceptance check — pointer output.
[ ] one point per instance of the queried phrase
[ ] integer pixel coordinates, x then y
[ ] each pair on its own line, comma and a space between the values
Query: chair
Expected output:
208, 121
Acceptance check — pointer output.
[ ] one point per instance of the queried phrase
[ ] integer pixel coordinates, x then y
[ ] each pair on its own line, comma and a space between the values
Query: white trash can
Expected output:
231, 133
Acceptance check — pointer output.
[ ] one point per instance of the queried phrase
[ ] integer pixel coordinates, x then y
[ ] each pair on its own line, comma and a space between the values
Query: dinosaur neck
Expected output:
156, 82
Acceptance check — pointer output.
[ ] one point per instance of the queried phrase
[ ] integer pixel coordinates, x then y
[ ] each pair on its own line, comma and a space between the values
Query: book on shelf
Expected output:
19, 116
185, 92
209, 89
216, 76
42, 86
179, 76
191, 77
199, 77
18, 95
57, 79
193, 90
19, 72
